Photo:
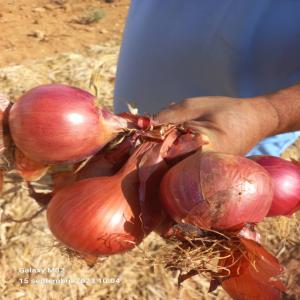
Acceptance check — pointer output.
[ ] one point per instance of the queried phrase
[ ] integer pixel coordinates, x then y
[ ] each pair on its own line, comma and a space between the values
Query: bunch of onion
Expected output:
112, 201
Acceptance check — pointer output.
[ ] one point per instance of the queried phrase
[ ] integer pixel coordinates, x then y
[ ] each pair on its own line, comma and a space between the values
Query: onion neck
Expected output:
110, 126
112, 122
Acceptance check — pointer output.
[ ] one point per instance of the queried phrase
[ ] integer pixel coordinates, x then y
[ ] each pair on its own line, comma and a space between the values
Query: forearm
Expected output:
286, 102
278, 112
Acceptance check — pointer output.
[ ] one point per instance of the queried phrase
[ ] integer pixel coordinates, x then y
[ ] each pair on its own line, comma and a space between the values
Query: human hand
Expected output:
231, 125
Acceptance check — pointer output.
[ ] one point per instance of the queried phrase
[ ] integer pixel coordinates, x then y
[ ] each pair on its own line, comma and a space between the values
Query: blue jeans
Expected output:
275, 145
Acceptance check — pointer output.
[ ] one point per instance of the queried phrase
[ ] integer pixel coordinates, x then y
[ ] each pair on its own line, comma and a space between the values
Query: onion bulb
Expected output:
286, 180
58, 123
216, 190
99, 216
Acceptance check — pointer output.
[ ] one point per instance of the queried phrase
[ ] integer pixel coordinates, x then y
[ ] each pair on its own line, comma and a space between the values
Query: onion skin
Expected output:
28, 169
217, 191
250, 234
151, 170
286, 180
99, 216
252, 273
57, 123
109, 160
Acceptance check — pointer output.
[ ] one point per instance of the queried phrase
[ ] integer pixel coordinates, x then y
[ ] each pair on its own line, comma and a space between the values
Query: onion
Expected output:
286, 180
99, 216
57, 123
216, 190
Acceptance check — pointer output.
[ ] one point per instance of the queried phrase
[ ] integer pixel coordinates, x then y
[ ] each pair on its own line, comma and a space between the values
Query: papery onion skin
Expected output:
58, 123
253, 273
216, 190
250, 234
109, 160
286, 179
28, 169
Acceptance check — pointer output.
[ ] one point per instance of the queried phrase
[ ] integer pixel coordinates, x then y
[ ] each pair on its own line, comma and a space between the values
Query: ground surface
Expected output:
41, 42
40, 28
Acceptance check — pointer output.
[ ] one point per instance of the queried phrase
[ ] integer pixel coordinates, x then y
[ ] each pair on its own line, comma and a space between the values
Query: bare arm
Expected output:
286, 104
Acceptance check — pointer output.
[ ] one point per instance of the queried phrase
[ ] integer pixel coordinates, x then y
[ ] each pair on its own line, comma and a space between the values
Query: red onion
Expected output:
56, 123
286, 180
216, 190
99, 216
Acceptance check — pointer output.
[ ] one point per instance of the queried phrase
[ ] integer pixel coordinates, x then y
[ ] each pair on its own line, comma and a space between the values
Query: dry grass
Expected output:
30, 244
